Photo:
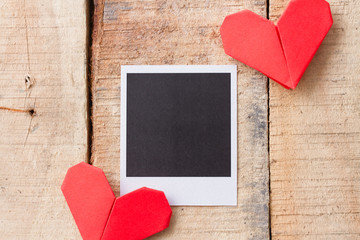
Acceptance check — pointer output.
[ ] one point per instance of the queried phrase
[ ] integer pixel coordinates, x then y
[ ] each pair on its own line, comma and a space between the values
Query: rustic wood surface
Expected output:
314, 130
43, 114
182, 32
315, 138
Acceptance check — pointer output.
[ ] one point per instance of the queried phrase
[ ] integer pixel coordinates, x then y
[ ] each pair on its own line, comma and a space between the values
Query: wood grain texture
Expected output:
43, 114
182, 32
315, 138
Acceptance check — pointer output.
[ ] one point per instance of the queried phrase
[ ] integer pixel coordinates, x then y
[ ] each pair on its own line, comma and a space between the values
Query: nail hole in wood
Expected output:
32, 112
28, 81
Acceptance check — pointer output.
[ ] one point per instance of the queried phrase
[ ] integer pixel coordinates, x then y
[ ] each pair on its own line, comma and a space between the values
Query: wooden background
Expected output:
303, 145
315, 138
43, 81
182, 32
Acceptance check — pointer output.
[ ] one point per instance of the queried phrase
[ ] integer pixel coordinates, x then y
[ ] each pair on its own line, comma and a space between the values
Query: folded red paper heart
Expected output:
281, 52
101, 216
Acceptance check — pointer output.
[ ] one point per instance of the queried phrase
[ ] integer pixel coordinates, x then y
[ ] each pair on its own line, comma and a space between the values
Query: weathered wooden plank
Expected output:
315, 138
182, 32
45, 40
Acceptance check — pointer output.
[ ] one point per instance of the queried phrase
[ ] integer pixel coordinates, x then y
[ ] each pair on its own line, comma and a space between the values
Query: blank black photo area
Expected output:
178, 125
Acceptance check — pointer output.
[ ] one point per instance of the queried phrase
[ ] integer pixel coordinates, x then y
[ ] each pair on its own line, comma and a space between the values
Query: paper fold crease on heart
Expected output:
283, 51
101, 216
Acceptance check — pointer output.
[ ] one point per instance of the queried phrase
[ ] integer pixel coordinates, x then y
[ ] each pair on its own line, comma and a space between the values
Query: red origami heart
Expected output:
281, 52
99, 216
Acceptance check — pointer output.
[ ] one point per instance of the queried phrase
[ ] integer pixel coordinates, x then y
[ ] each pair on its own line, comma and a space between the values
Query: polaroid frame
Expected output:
184, 191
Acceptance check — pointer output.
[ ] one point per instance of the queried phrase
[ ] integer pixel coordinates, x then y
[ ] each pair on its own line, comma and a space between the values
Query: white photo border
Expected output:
183, 191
